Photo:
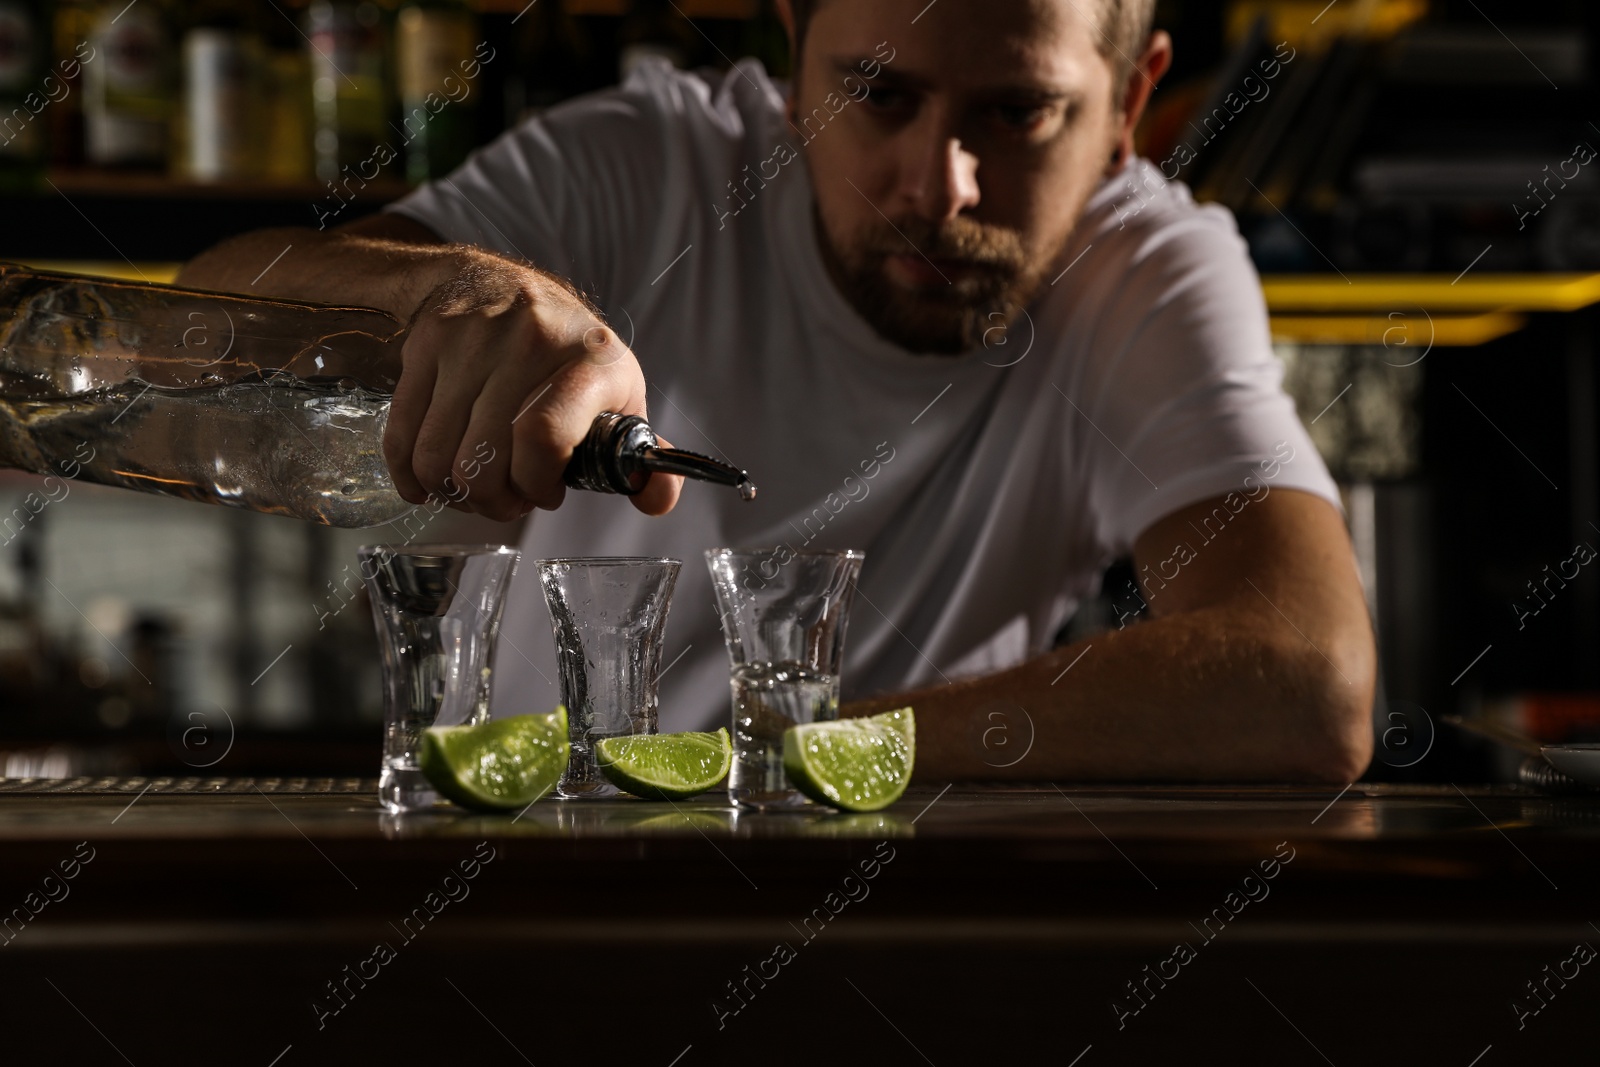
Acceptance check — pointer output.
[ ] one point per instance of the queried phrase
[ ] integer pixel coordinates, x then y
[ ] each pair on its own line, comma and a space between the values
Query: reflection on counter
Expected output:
708, 815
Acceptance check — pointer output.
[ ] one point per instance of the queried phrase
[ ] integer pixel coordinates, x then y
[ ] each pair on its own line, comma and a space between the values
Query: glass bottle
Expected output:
73, 33
438, 57
260, 404
224, 79
349, 90
24, 47
129, 87
289, 124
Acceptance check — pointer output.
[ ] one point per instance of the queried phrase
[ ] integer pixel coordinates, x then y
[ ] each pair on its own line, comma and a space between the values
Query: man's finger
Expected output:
661, 492
544, 438
484, 459
412, 394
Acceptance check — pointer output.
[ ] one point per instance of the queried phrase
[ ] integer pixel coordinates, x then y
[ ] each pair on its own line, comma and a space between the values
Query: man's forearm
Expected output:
1198, 696
330, 267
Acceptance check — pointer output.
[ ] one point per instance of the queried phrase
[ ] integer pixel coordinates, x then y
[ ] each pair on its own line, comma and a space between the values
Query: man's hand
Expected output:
1256, 664
506, 362
504, 367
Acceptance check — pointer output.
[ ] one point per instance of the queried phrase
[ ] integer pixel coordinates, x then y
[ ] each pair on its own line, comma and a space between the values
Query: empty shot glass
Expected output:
437, 610
608, 614
783, 618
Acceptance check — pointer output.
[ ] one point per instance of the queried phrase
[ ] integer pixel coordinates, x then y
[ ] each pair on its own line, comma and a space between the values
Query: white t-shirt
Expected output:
988, 491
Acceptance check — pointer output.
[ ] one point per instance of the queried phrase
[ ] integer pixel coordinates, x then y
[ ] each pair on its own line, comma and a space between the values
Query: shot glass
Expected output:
437, 609
608, 614
783, 618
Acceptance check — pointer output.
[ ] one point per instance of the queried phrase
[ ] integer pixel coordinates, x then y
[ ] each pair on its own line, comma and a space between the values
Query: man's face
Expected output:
945, 193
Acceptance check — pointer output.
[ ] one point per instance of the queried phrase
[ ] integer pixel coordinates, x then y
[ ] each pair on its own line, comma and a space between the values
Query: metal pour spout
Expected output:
621, 452
694, 465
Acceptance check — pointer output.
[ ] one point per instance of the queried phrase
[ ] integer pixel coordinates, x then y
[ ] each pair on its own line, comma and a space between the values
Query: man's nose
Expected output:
941, 178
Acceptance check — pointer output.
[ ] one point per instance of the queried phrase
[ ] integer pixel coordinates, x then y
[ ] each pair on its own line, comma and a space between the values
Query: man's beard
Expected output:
987, 281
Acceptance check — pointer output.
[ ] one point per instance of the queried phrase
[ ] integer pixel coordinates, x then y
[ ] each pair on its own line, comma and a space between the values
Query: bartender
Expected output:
929, 296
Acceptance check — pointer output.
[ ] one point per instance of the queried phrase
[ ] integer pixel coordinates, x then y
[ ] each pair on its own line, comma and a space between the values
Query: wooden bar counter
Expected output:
289, 921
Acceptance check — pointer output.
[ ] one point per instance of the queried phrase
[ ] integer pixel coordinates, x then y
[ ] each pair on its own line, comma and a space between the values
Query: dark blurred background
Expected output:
1416, 181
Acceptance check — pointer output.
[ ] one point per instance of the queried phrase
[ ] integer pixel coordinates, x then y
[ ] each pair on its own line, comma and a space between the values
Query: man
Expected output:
943, 315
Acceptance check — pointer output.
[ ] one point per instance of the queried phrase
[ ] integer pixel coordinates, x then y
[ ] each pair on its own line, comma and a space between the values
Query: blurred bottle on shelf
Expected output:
24, 50
73, 48
438, 57
287, 124
287, 137
652, 29
349, 89
129, 86
224, 78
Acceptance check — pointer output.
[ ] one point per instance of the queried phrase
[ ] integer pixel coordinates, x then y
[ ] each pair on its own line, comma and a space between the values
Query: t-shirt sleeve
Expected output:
583, 190
1187, 402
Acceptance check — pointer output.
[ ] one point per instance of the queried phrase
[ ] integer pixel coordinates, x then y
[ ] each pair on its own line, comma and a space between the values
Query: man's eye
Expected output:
1021, 116
887, 99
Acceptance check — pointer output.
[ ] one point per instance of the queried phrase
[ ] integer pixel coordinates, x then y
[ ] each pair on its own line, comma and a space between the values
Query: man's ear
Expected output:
1152, 64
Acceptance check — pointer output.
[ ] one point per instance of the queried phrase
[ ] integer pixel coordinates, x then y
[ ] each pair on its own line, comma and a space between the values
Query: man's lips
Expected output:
916, 271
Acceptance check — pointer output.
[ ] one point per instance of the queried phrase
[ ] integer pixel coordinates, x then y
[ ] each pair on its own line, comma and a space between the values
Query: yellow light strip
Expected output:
1436, 292
1317, 22
1396, 331
161, 273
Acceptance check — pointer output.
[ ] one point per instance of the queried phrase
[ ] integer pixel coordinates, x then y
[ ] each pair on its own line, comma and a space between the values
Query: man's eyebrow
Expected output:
1041, 94
1034, 94
859, 65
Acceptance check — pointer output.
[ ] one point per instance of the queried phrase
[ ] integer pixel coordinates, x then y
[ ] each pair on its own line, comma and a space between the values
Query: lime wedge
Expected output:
853, 764
665, 766
500, 765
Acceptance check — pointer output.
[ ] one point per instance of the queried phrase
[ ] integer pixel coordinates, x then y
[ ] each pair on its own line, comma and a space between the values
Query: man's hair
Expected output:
1124, 28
